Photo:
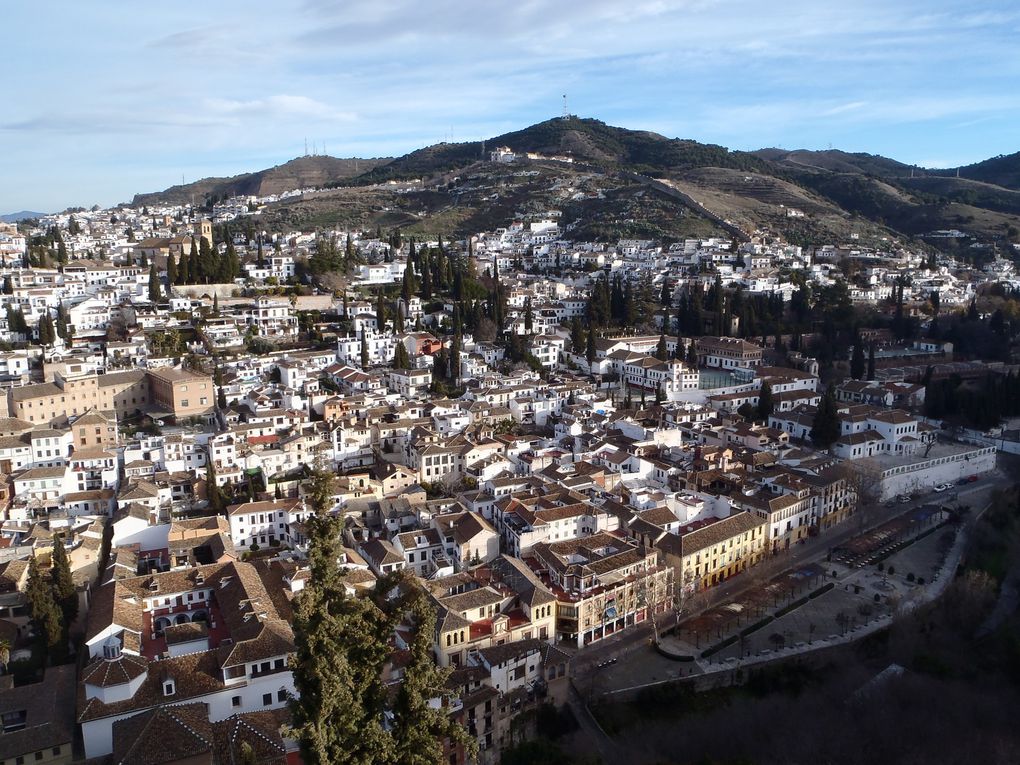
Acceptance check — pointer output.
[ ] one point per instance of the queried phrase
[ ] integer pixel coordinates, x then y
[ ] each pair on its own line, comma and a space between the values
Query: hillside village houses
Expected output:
543, 506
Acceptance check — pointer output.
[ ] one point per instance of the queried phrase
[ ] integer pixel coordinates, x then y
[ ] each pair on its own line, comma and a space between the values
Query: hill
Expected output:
303, 172
836, 161
633, 183
20, 216
1003, 170
584, 140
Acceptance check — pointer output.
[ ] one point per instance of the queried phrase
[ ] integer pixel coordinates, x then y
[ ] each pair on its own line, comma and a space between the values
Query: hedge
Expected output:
821, 590
719, 646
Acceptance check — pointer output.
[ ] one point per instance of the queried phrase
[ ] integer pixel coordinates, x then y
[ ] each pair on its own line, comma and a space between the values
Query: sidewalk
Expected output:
729, 660
639, 665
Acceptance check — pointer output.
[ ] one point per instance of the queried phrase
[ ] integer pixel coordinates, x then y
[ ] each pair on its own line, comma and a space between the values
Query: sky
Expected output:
102, 99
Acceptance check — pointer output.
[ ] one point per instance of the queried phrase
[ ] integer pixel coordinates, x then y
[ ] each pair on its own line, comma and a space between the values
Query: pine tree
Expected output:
766, 402
341, 647
154, 291
419, 728
65, 593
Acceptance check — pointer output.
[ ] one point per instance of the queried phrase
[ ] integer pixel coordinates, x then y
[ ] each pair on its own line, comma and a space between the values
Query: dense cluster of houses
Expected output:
540, 512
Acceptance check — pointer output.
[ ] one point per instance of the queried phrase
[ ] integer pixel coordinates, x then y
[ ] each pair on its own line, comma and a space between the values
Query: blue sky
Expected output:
105, 99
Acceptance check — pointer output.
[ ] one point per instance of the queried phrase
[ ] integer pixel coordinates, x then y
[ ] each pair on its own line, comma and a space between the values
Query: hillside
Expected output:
1003, 170
836, 161
585, 140
302, 172
20, 216
486, 196
805, 196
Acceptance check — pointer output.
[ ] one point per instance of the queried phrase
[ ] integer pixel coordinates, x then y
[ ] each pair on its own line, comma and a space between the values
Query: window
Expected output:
38, 755
184, 402
281, 695
56, 751
267, 699
235, 701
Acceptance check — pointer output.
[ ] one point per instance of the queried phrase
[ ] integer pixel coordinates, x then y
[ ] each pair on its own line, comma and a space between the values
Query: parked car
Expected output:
940, 488
971, 478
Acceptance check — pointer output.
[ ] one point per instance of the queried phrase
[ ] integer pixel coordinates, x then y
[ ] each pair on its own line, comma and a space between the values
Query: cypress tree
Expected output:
154, 291
661, 352
576, 335
857, 361
213, 490
171, 270
871, 362
183, 269
766, 402
341, 647
364, 351
419, 728
380, 311
825, 429
590, 351
401, 360
43, 610
47, 332
455, 357
65, 594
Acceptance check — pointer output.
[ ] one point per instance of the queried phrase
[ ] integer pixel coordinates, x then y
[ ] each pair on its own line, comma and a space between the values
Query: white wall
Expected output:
928, 474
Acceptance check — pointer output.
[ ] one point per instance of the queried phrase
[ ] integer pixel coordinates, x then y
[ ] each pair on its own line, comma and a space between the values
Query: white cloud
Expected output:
278, 107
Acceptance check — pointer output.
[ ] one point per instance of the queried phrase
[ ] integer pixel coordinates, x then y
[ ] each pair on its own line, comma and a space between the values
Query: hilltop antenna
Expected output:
566, 114
306, 147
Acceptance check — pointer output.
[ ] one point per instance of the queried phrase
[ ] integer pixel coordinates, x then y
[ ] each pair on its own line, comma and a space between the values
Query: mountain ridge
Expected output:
802, 194
300, 172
